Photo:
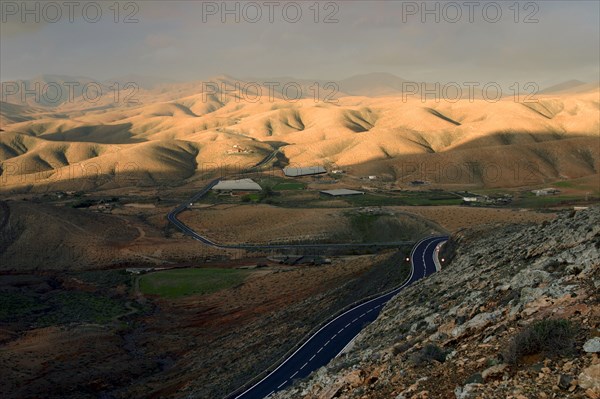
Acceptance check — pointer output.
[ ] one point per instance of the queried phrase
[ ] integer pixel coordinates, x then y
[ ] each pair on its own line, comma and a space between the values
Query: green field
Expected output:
533, 201
183, 282
410, 198
288, 186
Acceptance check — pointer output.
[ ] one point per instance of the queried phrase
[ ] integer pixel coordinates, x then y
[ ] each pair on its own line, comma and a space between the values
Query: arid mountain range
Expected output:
75, 133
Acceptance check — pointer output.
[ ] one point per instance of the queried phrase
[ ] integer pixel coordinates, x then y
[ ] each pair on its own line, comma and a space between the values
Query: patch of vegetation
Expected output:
81, 307
417, 198
288, 186
400, 348
532, 201
84, 203
267, 192
363, 223
105, 278
17, 306
552, 337
565, 184
183, 282
383, 228
251, 198
62, 307
428, 354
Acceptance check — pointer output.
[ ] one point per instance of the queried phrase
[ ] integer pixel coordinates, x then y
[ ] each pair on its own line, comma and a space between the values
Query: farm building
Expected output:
237, 185
306, 171
545, 191
341, 192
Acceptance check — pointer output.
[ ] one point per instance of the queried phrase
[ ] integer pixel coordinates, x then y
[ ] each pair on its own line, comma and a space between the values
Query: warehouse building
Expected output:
341, 192
244, 185
306, 171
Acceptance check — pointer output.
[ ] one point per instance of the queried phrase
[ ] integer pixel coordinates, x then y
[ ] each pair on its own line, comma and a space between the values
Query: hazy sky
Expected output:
545, 41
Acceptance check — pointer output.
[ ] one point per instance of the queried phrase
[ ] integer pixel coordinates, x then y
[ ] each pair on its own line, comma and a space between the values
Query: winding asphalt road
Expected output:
333, 337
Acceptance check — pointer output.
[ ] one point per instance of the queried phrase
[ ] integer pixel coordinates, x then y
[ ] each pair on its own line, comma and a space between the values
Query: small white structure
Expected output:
470, 199
306, 171
545, 191
237, 185
139, 270
341, 192
372, 177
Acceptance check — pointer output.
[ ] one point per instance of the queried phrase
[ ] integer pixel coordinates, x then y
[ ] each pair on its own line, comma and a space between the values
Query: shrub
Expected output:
429, 353
400, 348
554, 337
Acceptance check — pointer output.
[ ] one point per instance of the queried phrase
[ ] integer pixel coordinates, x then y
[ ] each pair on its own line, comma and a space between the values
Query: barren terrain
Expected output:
206, 344
86, 190
176, 135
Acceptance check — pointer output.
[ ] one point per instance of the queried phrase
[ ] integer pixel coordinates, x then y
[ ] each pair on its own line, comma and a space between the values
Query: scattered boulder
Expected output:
590, 378
493, 371
564, 381
466, 392
592, 345
476, 378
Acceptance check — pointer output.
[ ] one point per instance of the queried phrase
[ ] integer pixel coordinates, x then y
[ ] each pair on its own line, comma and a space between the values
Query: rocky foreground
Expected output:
515, 314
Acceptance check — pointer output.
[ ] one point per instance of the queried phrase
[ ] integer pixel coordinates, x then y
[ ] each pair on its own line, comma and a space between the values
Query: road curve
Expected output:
331, 339
172, 217
334, 336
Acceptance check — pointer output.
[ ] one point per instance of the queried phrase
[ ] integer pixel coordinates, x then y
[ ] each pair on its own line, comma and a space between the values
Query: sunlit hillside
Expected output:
178, 132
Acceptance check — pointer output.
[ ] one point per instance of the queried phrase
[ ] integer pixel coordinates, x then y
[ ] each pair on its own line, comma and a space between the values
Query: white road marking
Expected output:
407, 282
293, 375
320, 349
313, 356
304, 365
282, 384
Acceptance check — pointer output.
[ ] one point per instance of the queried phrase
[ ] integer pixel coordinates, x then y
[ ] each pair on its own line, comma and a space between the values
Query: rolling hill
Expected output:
177, 132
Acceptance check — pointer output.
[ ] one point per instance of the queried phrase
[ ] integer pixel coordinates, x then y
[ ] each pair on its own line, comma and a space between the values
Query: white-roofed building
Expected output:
341, 192
305, 171
237, 185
